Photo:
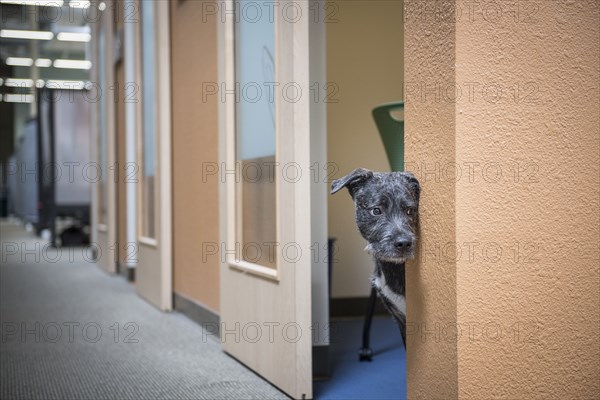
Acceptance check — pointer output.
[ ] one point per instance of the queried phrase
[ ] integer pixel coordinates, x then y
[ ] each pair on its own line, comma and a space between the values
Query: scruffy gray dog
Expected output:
387, 216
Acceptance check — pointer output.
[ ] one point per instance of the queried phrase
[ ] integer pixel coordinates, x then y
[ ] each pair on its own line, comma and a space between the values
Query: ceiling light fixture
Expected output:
79, 4
43, 62
45, 3
73, 64
18, 34
19, 61
18, 98
74, 37
18, 82
61, 84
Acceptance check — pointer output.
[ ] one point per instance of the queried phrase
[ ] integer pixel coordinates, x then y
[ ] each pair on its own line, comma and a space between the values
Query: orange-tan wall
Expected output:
509, 259
430, 131
195, 141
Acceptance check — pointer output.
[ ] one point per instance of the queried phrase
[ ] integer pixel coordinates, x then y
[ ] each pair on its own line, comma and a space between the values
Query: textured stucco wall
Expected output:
539, 282
430, 132
522, 269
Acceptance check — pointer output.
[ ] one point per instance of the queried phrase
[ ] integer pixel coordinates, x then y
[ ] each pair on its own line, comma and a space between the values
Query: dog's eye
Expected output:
376, 211
410, 211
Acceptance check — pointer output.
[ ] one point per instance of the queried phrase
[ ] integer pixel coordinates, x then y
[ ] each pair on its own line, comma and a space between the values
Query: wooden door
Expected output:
266, 193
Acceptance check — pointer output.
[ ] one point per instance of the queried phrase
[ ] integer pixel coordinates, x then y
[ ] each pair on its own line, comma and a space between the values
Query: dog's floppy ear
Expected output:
354, 178
413, 184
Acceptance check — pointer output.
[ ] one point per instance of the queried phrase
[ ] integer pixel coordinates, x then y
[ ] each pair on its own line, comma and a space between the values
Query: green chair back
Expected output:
391, 131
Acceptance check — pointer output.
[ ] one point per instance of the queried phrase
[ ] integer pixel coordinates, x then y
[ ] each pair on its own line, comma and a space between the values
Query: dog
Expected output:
387, 205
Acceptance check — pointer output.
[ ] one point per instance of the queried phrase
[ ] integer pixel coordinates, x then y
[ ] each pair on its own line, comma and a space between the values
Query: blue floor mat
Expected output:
382, 378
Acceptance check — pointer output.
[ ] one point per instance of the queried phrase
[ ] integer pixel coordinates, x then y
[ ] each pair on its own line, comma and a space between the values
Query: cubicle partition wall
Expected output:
65, 170
22, 176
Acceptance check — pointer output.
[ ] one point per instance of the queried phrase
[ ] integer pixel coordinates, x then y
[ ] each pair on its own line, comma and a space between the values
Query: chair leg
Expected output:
365, 353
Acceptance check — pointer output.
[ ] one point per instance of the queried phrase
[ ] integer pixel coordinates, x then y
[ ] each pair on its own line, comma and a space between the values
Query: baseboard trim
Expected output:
197, 313
354, 307
126, 272
203, 316
320, 362
121, 270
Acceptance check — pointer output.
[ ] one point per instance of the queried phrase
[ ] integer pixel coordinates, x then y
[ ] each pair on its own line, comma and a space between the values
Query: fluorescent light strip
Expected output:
19, 61
73, 64
43, 62
79, 4
18, 98
60, 84
18, 82
45, 3
73, 37
1, 81
18, 34
34, 35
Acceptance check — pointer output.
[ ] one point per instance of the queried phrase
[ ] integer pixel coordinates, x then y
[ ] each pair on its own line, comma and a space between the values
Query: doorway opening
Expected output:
364, 70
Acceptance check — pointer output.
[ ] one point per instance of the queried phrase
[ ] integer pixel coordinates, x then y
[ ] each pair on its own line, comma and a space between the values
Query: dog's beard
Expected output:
392, 258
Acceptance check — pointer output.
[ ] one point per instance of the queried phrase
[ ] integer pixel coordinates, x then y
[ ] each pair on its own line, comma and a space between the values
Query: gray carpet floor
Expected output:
71, 331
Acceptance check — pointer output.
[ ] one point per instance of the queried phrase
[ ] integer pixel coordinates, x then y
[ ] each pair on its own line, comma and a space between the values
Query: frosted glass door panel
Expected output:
255, 77
148, 189
255, 134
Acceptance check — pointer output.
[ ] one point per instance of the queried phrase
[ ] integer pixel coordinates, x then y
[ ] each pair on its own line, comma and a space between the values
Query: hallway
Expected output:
71, 331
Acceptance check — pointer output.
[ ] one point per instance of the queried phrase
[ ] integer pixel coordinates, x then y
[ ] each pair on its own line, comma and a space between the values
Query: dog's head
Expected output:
386, 211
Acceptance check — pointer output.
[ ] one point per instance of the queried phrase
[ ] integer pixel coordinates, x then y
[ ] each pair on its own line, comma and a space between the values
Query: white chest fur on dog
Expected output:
398, 301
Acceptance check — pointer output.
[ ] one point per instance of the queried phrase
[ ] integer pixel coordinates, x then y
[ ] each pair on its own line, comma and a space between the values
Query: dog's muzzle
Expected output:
396, 251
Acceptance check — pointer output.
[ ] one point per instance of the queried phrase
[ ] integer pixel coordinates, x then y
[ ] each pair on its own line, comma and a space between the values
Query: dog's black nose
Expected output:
403, 244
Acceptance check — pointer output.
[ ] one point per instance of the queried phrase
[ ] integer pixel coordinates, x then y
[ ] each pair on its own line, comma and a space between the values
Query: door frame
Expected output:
123, 252
154, 272
104, 235
130, 60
